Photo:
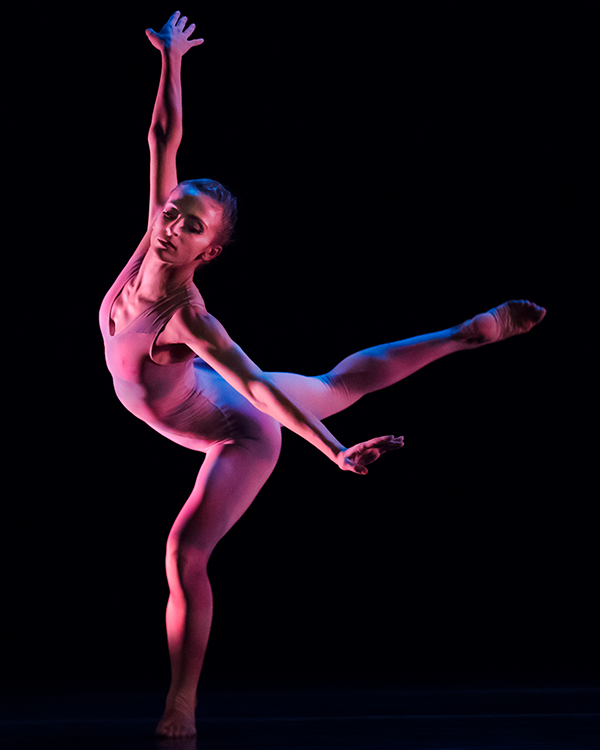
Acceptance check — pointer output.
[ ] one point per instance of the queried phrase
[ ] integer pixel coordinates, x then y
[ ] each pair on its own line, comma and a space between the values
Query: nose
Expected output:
173, 227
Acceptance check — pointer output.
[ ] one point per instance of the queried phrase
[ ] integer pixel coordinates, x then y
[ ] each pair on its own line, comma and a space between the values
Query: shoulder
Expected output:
128, 273
132, 267
192, 324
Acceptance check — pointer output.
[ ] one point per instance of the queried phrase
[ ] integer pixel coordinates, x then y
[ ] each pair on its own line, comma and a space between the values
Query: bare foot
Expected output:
178, 720
509, 319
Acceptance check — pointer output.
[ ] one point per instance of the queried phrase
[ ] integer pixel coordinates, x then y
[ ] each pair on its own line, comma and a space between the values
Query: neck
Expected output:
158, 279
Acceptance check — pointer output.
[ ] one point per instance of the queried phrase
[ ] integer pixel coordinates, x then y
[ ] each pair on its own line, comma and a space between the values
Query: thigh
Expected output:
321, 395
228, 481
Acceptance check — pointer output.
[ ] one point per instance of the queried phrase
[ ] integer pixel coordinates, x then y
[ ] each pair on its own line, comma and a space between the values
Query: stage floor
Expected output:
473, 719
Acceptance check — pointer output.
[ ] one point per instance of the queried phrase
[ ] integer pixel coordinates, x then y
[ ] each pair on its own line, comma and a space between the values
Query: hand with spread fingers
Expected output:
174, 38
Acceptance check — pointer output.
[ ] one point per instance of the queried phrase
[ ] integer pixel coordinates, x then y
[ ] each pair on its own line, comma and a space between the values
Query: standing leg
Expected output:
381, 366
229, 480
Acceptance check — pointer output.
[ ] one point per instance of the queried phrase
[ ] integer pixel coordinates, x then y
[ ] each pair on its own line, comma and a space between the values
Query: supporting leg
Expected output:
229, 480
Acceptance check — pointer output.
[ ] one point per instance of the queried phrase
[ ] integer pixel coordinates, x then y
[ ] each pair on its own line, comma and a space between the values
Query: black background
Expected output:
396, 172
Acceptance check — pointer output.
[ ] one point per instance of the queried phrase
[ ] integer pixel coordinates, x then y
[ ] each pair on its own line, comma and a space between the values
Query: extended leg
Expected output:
364, 372
381, 366
230, 478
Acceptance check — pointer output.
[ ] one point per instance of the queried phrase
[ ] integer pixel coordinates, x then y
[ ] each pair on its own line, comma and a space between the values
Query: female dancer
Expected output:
175, 367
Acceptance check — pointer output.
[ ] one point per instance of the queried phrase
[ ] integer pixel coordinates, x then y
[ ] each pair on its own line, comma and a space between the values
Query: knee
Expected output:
186, 564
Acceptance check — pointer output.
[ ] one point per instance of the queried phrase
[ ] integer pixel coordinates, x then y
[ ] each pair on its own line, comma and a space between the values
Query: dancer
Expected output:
175, 367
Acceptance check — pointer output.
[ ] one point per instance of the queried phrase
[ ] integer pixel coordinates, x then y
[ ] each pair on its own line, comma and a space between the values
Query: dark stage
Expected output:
440, 719
394, 177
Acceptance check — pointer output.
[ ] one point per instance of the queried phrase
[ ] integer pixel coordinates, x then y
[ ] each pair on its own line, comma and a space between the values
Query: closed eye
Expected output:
192, 224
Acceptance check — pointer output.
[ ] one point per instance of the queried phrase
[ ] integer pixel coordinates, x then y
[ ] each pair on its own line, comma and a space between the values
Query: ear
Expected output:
210, 254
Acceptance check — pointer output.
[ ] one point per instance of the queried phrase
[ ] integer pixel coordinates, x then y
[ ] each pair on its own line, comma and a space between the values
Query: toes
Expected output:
530, 314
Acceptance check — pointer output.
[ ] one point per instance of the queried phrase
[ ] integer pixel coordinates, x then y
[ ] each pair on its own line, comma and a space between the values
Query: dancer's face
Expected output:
186, 231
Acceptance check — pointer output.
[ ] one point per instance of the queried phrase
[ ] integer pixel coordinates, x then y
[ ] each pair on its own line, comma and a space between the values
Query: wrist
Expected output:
171, 55
336, 453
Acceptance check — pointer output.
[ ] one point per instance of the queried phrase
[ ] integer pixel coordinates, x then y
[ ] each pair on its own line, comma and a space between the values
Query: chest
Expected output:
124, 310
165, 348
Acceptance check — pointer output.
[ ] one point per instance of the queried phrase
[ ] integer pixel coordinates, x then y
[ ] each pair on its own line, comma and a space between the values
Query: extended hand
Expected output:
174, 37
356, 458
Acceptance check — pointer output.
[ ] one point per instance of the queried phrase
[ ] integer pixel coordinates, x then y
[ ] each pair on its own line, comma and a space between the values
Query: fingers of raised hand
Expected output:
171, 23
180, 23
188, 33
174, 35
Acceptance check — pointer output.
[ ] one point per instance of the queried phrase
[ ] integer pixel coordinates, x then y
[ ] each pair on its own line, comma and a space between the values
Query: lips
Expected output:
166, 243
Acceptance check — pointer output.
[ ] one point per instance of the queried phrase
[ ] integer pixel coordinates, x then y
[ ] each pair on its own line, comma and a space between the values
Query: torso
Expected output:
159, 379
127, 306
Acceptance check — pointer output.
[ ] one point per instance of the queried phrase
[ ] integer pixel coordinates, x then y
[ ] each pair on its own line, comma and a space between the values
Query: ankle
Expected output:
458, 335
183, 701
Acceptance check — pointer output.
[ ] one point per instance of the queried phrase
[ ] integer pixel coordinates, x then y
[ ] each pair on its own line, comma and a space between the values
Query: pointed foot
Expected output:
509, 319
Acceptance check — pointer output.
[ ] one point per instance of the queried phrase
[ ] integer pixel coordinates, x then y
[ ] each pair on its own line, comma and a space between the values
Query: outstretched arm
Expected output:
166, 129
207, 338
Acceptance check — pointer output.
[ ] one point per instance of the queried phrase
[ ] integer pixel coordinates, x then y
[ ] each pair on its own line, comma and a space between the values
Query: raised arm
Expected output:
166, 129
207, 338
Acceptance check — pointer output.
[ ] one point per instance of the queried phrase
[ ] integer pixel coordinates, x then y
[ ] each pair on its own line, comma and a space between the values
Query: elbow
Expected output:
161, 137
259, 394
156, 134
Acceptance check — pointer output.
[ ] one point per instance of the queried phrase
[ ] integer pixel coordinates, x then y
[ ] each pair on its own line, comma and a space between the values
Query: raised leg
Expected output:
381, 366
229, 480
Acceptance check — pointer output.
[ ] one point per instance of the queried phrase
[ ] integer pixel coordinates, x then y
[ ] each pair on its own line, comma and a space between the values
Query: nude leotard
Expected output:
168, 387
